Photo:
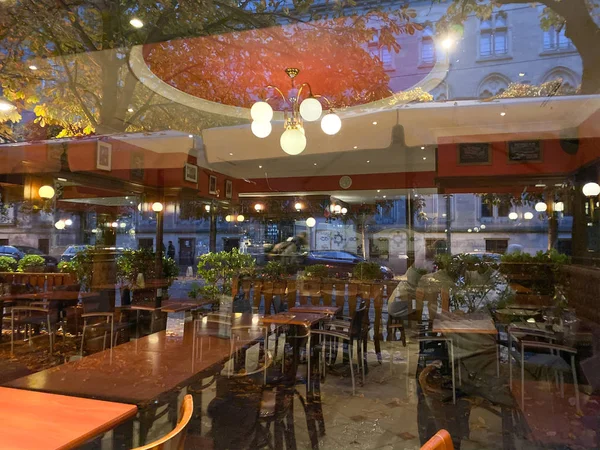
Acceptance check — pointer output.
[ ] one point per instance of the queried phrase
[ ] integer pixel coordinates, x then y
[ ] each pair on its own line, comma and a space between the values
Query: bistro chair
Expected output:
101, 310
347, 331
32, 316
440, 441
175, 440
537, 349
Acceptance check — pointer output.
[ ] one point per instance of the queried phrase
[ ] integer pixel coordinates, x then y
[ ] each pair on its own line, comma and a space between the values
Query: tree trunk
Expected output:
212, 234
585, 35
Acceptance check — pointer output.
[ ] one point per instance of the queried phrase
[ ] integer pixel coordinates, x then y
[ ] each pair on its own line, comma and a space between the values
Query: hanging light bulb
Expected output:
261, 129
559, 207
261, 112
311, 109
311, 222
293, 141
331, 124
541, 206
591, 189
46, 192
60, 225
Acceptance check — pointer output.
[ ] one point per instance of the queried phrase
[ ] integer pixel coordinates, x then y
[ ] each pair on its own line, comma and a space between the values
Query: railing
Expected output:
40, 280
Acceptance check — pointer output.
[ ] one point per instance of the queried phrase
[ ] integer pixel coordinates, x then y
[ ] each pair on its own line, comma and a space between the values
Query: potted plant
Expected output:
218, 270
7, 264
32, 263
80, 267
367, 271
136, 267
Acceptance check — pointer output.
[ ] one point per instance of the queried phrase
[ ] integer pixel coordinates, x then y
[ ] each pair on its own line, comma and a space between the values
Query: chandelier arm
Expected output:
326, 100
309, 90
279, 92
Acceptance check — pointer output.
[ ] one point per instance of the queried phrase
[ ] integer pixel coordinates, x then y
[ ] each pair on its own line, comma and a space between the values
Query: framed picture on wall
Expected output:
524, 151
190, 173
212, 185
472, 154
137, 166
228, 189
104, 156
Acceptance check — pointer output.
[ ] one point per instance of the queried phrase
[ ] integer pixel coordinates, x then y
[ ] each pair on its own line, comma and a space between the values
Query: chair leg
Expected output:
362, 360
82, 337
523, 378
575, 383
509, 362
12, 332
112, 331
453, 374
308, 367
50, 334
351, 353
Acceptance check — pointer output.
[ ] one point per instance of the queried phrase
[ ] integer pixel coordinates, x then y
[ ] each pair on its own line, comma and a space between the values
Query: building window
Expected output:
427, 46
504, 209
487, 209
434, 247
493, 38
496, 245
382, 53
555, 39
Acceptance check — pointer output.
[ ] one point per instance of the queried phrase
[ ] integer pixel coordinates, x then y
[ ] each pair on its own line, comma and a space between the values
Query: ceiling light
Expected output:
378, 190
368, 161
591, 189
6, 106
521, 74
314, 164
424, 158
311, 222
541, 206
422, 148
60, 225
113, 225
228, 218
385, 196
344, 210
68, 222
374, 123
298, 206
502, 113
559, 207
513, 216
129, 109
261, 112
293, 141
190, 136
207, 208
331, 124
528, 215
356, 146
311, 109
136, 23
240, 218
258, 207
157, 206
230, 154
64, 180
260, 167
32, 67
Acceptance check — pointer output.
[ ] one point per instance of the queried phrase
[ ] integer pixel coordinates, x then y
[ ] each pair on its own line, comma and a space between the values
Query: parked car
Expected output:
51, 261
340, 261
11, 251
71, 251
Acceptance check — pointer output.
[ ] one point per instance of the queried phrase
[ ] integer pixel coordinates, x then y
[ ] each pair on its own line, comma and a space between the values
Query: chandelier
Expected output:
293, 139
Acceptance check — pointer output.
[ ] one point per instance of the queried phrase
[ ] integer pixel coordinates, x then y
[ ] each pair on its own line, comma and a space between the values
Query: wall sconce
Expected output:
259, 207
298, 206
46, 192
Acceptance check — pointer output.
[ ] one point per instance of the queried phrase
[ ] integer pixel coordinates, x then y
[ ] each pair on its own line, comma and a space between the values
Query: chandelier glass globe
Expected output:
293, 141
541, 207
261, 129
228, 218
331, 124
261, 112
591, 189
240, 218
311, 222
311, 109
528, 215
513, 216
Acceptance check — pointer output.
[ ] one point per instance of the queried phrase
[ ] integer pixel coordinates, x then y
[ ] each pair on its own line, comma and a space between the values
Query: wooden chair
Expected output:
440, 441
175, 440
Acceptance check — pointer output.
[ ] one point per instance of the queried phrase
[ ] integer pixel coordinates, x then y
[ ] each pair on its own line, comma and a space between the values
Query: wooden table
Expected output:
54, 296
454, 323
298, 319
136, 372
316, 309
34, 420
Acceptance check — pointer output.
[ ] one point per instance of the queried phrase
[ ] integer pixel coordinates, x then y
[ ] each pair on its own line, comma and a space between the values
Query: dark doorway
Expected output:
230, 243
44, 246
187, 251
4, 242
146, 243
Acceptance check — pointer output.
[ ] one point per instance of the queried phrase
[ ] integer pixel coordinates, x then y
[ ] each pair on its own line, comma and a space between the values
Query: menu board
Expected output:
474, 154
524, 151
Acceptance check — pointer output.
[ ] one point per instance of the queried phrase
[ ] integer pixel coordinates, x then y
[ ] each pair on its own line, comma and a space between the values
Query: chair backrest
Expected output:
440, 441
175, 440
103, 302
356, 326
